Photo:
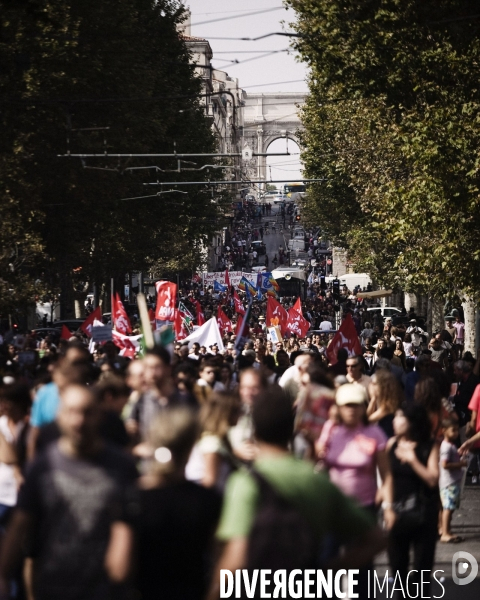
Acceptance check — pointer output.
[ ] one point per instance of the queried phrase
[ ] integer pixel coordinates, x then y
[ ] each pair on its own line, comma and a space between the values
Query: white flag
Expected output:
207, 335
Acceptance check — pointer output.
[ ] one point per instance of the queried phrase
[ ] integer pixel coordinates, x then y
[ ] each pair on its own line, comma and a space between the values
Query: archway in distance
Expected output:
283, 167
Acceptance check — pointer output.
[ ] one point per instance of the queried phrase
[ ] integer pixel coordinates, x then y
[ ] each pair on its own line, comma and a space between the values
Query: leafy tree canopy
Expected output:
392, 123
92, 77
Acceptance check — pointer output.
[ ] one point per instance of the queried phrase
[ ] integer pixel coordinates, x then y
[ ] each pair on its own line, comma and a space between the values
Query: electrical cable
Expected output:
261, 37
238, 16
246, 87
241, 62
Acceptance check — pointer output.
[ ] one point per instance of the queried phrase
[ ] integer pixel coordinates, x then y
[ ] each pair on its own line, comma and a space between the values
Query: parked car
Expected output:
385, 311
72, 324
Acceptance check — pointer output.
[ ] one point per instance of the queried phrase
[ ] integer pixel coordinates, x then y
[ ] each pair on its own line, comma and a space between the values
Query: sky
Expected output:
277, 68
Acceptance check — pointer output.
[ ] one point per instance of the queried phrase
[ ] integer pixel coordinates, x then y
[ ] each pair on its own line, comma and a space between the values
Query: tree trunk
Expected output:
469, 310
428, 322
66, 297
438, 316
410, 301
80, 298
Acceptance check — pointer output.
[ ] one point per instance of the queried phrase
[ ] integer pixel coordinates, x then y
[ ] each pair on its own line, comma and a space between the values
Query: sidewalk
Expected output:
466, 523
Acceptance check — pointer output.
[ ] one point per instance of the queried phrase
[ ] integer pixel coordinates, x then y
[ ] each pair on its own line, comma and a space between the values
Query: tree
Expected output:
93, 77
392, 123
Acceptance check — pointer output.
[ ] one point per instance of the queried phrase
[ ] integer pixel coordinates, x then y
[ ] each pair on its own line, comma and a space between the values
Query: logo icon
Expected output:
460, 563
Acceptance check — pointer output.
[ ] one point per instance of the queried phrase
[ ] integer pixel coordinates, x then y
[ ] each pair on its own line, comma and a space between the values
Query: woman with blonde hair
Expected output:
212, 459
385, 399
174, 515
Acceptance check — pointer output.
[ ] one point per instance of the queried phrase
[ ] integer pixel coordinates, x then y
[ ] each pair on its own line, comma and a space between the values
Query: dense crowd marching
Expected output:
143, 477
117, 475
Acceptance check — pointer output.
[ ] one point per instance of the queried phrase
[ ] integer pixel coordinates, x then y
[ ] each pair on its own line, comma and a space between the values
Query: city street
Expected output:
465, 523
239, 299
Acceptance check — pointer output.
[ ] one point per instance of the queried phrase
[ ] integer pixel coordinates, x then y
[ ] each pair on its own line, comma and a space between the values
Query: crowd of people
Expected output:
143, 478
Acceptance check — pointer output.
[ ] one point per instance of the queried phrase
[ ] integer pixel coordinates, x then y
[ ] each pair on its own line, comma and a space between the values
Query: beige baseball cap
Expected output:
351, 393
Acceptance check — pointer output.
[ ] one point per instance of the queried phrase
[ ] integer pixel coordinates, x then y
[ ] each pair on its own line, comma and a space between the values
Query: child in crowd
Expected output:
451, 475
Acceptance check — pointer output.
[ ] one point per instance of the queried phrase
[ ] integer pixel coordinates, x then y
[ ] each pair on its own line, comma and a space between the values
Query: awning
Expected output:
377, 294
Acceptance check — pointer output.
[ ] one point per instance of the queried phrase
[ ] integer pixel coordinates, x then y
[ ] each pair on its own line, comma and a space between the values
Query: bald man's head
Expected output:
79, 417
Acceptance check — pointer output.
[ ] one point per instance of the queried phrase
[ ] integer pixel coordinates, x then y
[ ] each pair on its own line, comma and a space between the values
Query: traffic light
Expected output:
297, 218
336, 289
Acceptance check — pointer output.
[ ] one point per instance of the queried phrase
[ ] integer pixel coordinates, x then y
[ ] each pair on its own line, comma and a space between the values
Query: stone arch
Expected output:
268, 117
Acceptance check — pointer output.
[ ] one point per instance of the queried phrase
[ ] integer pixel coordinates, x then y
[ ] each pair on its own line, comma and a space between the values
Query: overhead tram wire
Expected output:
238, 16
223, 12
261, 37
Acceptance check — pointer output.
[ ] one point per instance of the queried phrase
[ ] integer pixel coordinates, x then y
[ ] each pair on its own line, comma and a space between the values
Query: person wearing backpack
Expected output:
276, 515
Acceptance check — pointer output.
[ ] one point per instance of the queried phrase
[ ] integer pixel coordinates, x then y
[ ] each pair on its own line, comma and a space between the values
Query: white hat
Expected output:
351, 393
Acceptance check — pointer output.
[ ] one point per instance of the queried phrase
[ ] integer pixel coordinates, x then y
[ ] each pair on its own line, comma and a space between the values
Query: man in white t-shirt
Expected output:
325, 325
416, 333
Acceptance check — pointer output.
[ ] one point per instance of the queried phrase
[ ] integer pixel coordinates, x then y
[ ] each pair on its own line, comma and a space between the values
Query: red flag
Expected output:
166, 300
196, 278
298, 306
227, 278
87, 325
151, 317
238, 327
66, 333
180, 331
120, 319
296, 323
276, 315
238, 304
199, 311
224, 323
346, 337
128, 346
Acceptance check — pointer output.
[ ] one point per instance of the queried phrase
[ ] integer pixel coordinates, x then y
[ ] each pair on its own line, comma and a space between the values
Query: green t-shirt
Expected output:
320, 502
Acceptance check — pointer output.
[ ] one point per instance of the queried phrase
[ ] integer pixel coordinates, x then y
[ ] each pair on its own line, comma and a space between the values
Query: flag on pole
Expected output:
247, 287
181, 331
276, 315
199, 311
239, 309
151, 316
166, 300
184, 310
87, 325
298, 306
224, 323
120, 319
297, 324
267, 284
346, 337
66, 333
242, 330
227, 279
218, 287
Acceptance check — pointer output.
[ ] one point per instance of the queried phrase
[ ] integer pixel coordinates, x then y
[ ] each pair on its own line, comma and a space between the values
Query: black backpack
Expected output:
281, 537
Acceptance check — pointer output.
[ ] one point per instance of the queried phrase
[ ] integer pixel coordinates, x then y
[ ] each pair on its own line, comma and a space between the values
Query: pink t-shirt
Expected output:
474, 404
460, 327
351, 460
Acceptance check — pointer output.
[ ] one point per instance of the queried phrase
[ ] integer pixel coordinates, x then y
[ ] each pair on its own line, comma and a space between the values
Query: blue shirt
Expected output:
45, 405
